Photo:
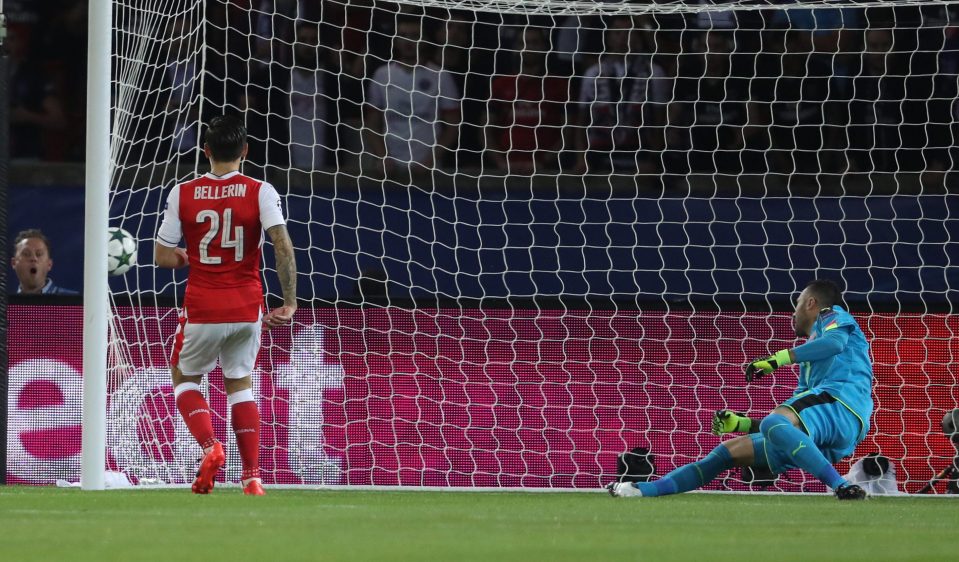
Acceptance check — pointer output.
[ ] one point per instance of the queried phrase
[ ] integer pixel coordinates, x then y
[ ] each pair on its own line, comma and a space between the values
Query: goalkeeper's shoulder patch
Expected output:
831, 325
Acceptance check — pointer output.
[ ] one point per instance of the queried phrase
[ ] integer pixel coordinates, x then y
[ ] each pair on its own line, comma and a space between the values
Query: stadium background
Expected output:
695, 250
889, 251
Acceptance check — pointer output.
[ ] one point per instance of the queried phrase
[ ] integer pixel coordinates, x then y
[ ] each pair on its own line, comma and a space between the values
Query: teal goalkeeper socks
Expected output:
690, 476
783, 435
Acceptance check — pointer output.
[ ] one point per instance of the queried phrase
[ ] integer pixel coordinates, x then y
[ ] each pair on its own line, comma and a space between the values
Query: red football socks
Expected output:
246, 426
196, 413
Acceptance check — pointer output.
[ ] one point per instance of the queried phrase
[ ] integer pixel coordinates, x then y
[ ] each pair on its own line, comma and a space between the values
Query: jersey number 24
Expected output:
236, 242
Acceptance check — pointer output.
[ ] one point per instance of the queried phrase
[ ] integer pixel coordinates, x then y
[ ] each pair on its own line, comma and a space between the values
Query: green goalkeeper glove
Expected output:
728, 421
762, 367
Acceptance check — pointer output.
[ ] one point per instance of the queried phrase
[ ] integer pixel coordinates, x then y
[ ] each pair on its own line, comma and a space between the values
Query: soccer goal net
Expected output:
535, 235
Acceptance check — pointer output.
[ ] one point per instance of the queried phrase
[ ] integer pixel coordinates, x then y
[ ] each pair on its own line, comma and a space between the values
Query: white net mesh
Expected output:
535, 235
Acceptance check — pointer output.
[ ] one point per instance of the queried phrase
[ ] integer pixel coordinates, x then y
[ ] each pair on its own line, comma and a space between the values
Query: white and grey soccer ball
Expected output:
950, 423
121, 251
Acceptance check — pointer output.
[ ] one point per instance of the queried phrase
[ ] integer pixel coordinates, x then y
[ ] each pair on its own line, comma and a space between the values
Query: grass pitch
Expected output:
173, 525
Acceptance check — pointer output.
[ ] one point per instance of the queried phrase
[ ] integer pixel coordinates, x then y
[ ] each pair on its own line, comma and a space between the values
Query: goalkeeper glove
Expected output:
728, 421
762, 367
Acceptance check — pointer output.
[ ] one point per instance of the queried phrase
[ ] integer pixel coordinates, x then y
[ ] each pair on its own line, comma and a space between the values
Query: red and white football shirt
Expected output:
222, 219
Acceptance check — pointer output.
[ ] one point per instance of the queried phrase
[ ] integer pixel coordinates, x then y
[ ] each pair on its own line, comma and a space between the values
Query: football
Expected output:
121, 251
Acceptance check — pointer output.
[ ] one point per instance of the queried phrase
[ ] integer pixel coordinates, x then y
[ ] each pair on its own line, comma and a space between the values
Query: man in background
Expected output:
32, 261
413, 106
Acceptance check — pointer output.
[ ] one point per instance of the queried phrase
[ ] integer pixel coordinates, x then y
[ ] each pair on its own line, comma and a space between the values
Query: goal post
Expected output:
531, 236
4, 241
96, 306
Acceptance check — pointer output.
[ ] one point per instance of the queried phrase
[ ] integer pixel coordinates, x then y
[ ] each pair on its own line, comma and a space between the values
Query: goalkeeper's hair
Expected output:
826, 291
225, 137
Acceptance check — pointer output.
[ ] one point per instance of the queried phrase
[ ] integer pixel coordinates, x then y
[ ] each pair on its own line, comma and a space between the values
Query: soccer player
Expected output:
824, 420
221, 215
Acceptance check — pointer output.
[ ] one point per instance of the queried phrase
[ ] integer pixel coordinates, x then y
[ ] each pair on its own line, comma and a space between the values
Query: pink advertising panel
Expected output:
471, 397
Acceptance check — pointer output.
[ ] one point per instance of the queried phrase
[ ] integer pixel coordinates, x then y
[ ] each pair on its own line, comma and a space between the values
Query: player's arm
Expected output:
286, 270
165, 250
830, 343
172, 258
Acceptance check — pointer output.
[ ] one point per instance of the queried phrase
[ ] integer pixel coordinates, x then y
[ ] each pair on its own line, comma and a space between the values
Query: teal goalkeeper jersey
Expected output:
836, 359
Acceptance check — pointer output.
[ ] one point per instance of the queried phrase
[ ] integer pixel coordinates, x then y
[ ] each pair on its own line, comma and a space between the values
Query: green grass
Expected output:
174, 525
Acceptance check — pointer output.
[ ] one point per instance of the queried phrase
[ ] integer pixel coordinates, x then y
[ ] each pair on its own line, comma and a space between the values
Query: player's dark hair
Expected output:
226, 137
32, 233
827, 292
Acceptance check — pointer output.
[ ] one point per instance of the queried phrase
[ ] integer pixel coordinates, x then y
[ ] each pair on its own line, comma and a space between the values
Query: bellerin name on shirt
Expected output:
219, 191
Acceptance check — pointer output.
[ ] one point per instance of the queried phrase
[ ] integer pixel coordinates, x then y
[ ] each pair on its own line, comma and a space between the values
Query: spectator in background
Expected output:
32, 261
466, 51
712, 119
888, 108
248, 69
527, 111
182, 79
870, 105
830, 29
793, 88
710, 20
579, 40
308, 120
413, 105
622, 107
272, 26
37, 114
352, 42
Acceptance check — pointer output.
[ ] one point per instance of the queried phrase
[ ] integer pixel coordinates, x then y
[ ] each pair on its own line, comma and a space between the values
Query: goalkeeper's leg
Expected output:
735, 452
780, 428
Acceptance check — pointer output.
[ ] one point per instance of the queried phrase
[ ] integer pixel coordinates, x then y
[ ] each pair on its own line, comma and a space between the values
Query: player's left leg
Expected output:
237, 358
735, 452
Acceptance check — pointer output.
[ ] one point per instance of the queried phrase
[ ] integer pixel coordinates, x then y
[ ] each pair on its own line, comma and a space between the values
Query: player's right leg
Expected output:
194, 355
195, 411
738, 451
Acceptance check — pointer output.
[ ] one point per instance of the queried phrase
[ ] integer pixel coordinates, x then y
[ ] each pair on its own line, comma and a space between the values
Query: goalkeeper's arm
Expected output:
833, 342
728, 421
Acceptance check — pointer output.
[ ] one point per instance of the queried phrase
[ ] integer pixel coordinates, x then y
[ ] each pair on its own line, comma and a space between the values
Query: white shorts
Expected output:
196, 348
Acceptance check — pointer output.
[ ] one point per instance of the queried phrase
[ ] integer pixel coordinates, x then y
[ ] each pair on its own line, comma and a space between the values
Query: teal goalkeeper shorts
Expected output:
833, 427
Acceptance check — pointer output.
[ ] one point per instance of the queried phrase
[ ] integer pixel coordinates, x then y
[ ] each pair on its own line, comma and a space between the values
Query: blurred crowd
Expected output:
373, 85
46, 49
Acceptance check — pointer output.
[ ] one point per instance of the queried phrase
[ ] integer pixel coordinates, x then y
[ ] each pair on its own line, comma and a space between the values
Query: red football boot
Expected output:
254, 488
206, 475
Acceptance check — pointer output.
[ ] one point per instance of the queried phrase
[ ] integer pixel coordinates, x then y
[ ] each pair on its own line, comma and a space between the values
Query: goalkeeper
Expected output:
824, 420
